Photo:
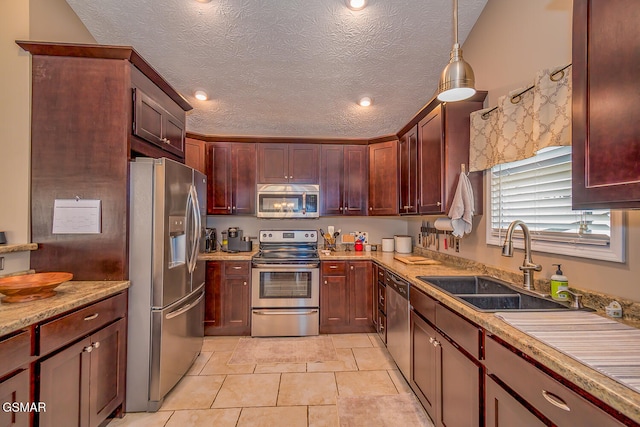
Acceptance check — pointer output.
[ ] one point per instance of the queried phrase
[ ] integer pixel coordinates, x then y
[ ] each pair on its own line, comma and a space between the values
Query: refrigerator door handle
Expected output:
184, 308
192, 208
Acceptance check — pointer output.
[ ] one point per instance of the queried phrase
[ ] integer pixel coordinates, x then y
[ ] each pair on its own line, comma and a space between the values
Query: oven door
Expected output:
282, 286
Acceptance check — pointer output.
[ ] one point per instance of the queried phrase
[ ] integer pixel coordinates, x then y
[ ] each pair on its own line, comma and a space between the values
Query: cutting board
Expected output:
416, 260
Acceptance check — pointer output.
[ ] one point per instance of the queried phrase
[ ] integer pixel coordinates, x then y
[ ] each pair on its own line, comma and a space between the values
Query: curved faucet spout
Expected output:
527, 267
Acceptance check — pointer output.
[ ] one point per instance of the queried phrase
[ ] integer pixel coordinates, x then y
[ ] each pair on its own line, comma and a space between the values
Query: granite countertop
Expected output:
69, 295
603, 387
8, 248
227, 256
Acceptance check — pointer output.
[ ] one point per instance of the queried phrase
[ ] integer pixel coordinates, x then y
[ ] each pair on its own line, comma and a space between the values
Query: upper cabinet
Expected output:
82, 139
154, 123
288, 163
343, 179
231, 178
606, 113
408, 169
383, 178
443, 147
195, 153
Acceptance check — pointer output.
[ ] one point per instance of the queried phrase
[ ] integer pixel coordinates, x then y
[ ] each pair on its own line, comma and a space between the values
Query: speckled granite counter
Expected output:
228, 256
4, 249
69, 295
608, 390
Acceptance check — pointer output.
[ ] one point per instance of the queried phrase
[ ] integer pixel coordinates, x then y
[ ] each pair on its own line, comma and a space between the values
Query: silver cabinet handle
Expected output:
370, 208
229, 208
351, 267
96, 344
285, 313
555, 400
92, 316
438, 203
333, 266
237, 268
325, 282
88, 349
244, 283
340, 208
435, 343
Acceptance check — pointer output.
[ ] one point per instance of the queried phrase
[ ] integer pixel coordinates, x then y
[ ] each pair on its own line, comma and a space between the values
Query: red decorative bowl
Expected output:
31, 287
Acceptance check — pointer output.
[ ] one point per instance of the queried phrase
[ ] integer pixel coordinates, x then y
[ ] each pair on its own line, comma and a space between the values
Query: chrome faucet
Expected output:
527, 267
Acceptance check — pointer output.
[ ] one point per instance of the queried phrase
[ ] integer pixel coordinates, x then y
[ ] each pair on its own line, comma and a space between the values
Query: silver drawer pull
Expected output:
555, 401
92, 316
333, 266
237, 268
286, 313
88, 349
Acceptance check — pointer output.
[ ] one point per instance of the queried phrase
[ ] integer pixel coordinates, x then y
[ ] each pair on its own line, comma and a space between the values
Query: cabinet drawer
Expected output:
334, 268
381, 274
63, 330
554, 400
15, 350
382, 298
423, 304
237, 268
464, 333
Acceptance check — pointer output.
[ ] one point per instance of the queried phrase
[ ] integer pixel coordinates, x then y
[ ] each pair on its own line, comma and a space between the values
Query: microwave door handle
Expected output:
304, 203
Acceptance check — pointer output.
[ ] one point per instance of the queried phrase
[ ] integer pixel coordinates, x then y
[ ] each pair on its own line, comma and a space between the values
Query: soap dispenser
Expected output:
559, 284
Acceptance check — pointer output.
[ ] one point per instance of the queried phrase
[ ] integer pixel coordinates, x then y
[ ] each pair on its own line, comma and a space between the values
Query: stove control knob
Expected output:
264, 234
306, 235
313, 235
270, 235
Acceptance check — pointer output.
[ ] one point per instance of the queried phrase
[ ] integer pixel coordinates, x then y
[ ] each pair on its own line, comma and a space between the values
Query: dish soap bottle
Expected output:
559, 284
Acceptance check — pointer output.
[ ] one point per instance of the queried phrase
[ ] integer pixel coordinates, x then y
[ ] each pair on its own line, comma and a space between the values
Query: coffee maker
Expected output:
237, 243
210, 240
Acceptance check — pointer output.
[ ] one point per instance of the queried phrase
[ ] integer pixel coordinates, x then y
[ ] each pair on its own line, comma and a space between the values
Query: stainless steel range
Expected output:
285, 283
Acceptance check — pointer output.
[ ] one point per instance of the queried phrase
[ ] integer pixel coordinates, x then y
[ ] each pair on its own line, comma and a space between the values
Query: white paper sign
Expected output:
71, 216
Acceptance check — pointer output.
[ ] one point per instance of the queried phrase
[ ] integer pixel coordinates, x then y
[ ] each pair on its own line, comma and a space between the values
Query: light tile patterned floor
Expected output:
284, 394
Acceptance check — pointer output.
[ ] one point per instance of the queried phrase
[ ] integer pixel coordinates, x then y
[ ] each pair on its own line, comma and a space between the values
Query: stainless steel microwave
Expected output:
288, 200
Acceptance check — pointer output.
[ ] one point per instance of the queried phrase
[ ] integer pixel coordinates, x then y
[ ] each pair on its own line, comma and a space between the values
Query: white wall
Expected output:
41, 20
511, 40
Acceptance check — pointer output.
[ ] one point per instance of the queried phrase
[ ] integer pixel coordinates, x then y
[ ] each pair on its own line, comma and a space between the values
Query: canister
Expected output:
403, 244
388, 244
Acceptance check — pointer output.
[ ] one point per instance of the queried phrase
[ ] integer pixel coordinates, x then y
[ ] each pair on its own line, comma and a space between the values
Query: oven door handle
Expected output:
304, 203
288, 266
283, 312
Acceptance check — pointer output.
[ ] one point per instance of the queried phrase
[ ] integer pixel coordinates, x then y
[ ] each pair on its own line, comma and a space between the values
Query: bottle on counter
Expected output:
225, 241
559, 284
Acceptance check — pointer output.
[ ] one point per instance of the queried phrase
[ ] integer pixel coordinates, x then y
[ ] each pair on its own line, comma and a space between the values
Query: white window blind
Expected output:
537, 191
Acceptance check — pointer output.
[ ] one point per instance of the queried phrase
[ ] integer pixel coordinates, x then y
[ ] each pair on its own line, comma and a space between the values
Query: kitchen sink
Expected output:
485, 293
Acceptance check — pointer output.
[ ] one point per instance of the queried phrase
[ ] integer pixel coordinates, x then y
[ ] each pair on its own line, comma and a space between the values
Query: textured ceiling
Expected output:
293, 68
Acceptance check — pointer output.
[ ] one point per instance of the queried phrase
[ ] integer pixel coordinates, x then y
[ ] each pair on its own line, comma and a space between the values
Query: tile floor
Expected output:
284, 394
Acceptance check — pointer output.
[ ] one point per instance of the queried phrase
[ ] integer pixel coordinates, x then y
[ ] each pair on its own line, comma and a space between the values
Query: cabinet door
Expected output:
606, 114
64, 386
148, 120
332, 176
195, 153
173, 131
212, 306
408, 172
424, 363
236, 303
356, 183
304, 163
108, 360
430, 154
243, 178
334, 303
219, 189
383, 178
15, 390
459, 387
273, 163
360, 295
502, 409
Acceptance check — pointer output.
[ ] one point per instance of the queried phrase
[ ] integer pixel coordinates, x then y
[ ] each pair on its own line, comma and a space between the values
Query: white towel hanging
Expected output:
461, 212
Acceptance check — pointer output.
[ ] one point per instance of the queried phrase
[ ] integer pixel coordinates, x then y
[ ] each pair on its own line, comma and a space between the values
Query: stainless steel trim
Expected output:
304, 203
286, 312
184, 308
284, 266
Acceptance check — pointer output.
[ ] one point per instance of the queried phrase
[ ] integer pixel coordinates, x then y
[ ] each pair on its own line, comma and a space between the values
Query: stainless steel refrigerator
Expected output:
166, 297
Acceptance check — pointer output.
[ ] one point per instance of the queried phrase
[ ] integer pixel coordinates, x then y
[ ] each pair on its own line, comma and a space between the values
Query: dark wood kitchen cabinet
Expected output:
231, 178
343, 179
15, 354
228, 298
445, 372
82, 139
195, 153
82, 369
288, 163
408, 167
15, 390
443, 147
346, 297
606, 114
383, 178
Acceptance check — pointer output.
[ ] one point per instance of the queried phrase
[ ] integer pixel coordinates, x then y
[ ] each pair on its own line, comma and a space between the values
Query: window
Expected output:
537, 191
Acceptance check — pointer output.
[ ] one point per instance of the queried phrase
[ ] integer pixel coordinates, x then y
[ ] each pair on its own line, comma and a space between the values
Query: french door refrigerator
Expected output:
167, 216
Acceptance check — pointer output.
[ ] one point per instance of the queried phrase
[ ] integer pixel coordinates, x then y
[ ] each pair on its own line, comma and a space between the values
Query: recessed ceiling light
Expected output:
203, 1
365, 101
201, 95
356, 4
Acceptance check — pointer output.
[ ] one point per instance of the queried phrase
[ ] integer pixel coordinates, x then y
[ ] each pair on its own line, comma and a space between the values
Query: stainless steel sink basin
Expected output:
485, 293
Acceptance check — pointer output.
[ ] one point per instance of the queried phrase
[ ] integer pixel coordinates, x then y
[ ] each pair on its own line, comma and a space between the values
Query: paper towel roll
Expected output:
443, 224
388, 244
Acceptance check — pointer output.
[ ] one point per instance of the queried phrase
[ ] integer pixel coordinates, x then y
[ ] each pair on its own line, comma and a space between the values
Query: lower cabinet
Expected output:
445, 374
82, 384
346, 297
228, 298
554, 402
13, 392
502, 409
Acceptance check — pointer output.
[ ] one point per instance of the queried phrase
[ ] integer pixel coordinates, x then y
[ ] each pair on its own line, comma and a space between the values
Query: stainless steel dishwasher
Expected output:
398, 333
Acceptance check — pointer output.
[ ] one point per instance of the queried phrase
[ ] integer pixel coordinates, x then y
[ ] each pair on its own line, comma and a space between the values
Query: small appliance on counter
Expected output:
211, 240
236, 242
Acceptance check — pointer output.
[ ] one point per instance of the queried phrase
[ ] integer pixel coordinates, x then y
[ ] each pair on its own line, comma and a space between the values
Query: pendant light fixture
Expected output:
457, 80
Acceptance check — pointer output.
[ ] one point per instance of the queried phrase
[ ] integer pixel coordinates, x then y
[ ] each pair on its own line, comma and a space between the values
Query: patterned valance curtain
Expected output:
524, 121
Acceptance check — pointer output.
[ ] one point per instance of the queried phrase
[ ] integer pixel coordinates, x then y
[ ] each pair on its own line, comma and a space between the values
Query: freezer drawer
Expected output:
176, 341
